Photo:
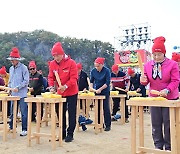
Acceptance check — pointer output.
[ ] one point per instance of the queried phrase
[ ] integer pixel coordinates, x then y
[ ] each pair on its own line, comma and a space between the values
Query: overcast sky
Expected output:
92, 19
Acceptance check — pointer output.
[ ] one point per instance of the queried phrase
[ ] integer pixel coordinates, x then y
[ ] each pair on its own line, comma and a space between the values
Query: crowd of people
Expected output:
160, 71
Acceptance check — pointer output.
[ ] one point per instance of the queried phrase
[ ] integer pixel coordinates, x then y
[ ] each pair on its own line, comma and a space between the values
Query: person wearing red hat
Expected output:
5, 80
4, 75
68, 74
83, 86
100, 81
120, 80
35, 86
18, 81
162, 74
134, 82
176, 57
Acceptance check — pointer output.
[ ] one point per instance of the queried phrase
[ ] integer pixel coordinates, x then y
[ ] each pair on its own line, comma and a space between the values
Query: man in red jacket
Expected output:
68, 74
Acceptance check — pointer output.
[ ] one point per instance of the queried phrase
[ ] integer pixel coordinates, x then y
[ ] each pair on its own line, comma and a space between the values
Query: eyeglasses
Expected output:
32, 69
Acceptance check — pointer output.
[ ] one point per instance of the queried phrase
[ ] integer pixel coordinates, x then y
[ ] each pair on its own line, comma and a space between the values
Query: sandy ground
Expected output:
118, 140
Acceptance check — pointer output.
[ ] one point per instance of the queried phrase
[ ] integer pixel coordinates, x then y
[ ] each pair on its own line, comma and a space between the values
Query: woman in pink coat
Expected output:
163, 75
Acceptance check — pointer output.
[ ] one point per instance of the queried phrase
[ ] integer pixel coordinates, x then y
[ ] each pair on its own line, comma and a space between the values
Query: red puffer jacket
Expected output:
68, 75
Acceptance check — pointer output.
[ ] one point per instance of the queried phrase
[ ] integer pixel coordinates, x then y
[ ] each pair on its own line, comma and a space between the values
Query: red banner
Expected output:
130, 56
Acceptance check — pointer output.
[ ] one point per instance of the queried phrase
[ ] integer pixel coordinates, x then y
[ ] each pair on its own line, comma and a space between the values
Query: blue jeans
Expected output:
24, 113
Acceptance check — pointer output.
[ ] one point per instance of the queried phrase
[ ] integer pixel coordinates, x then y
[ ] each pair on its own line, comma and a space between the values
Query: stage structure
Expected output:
133, 39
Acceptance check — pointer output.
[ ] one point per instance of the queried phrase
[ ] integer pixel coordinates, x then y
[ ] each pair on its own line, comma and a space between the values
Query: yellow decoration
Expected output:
3, 95
86, 93
132, 93
148, 99
114, 93
50, 95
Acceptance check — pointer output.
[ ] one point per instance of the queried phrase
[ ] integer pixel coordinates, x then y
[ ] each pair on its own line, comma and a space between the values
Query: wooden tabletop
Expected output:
91, 97
162, 103
42, 99
9, 98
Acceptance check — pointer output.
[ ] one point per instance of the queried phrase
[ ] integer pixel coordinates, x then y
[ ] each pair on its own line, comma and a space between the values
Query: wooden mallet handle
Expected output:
57, 78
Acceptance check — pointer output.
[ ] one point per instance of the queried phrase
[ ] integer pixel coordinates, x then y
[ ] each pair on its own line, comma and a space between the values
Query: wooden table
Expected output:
36, 135
122, 105
5, 100
174, 110
95, 99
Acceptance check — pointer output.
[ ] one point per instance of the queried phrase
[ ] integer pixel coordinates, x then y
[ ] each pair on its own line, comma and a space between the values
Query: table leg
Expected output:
101, 115
122, 121
141, 127
87, 108
53, 126
96, 116
83, 107
29, 123
133, 129
173, 131
14, 117
77, 113
60, 122
4, 109
38, 122
178, 129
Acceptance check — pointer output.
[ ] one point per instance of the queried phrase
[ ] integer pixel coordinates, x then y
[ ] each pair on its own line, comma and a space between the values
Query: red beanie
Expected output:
32, 64
130, 71
158, 45
114, 68
15, 53
3, 70
79, 66
176, 56
57, 49
99, 60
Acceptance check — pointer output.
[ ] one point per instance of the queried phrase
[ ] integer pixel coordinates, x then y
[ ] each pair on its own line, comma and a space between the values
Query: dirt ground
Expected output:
118, 140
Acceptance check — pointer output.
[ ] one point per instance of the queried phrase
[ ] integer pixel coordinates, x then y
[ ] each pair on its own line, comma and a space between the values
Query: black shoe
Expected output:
113, 119
126, 120
107, 129
69, 138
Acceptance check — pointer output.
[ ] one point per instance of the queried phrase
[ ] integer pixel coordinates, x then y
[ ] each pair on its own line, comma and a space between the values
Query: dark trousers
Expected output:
70, 106
106, 109
116, 102
160, 117
34, 111
9, 108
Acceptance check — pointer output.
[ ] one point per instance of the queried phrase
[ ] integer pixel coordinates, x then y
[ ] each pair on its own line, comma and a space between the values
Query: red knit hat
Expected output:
79, 66
114, 68
57, 49
130, 71
176, 56
100, 60
15, 53
3, 70
158, 45
32, 64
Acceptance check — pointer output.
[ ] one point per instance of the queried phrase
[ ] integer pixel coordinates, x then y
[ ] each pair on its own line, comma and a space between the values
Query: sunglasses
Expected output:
32, 69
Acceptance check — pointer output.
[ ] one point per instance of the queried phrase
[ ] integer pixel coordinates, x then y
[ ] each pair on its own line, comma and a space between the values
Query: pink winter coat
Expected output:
170, 78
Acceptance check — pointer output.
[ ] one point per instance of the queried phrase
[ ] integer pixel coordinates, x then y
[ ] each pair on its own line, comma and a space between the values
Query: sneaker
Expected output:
69, 138
117, 116
126, 120
84, 128
107, 129
23, 133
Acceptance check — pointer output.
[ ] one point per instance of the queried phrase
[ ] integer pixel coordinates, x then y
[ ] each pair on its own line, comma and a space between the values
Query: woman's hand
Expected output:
143, 78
